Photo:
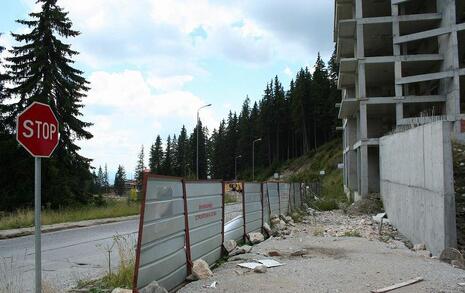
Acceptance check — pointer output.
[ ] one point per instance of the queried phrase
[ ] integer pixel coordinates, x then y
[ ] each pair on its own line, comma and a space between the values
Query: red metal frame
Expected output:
187, 232
141, 224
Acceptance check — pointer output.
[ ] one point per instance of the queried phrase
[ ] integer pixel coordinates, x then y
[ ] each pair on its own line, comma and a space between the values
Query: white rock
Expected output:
260, 269
419, 246
229, 245
255, 237
201, 270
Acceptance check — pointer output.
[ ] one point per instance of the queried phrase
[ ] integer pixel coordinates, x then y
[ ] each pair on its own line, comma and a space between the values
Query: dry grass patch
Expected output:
112, 209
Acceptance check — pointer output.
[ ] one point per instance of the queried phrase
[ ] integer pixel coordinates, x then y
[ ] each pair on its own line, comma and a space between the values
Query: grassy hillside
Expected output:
307, 169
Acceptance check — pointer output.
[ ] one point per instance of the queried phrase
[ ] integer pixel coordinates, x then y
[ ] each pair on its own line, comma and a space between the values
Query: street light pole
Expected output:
197, 153
235, 166
253, 157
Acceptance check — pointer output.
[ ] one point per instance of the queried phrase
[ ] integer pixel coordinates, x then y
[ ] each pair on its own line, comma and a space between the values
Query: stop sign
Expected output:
37, 130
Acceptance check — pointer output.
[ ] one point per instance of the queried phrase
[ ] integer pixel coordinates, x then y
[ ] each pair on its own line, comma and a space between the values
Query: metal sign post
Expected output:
37, 131
37, 224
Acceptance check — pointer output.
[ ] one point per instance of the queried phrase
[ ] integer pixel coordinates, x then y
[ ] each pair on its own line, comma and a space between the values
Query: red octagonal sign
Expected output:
37, 130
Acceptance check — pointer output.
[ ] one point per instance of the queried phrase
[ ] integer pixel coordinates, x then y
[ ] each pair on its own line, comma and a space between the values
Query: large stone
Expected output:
449, 254
241, 250
229, 245
420, 246
255, 237
274, 216
267, 229
275, 221
153, 287
288, 219
201, 270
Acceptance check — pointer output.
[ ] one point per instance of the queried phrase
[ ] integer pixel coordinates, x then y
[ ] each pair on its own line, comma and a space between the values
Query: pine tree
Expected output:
167, 166
120, 178
100, 180
41, 70
106, 182
140, 167
182, 154
156, 156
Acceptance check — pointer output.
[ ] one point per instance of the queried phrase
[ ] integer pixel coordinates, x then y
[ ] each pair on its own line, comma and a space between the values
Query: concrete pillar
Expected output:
397, 64
363, 151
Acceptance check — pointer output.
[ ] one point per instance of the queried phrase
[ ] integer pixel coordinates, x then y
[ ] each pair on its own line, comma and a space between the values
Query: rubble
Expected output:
229, 245
241, 250
338, 224
201, 270
153, 287
255, 237
267, 229
419, 246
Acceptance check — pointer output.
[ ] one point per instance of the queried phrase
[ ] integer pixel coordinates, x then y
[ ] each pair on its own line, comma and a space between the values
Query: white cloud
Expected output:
126, 113
287, 71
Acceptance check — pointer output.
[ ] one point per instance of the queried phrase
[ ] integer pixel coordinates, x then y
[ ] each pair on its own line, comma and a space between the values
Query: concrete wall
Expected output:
417, 185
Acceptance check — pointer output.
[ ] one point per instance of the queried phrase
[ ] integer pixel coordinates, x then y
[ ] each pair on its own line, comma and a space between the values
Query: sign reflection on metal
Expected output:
284, 198
273, 197
252, 207
160, 254
205, 206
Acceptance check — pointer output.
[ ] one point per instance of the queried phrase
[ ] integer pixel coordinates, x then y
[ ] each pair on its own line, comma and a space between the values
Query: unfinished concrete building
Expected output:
402, 64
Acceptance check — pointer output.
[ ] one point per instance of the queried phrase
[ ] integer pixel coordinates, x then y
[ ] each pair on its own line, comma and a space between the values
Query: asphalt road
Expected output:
69, 255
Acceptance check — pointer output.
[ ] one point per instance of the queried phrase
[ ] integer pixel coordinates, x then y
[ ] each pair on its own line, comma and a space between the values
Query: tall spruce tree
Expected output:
156, 156
40, 69
120, 178
106, 182
140, 166
167, 166
182, 154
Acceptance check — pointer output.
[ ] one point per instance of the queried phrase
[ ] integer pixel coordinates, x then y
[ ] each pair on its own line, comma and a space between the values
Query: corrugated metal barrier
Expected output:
182, 221
161, 252
253, 207
205, 210
284, 198
273, 197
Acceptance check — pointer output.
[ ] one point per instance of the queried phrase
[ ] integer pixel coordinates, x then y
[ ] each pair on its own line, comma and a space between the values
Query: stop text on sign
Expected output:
39, 129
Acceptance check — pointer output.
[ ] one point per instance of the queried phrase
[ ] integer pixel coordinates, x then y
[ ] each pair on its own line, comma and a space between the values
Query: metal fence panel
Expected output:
266, 205
284, 198
273, 197
253, 207
205, 208
162, 256
234, 229
298, 194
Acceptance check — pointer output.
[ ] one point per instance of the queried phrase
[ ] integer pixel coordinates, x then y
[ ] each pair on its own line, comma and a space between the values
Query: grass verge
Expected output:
111, 209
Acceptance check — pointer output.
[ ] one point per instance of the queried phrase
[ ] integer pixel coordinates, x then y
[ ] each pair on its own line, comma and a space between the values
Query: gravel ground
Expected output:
335, 264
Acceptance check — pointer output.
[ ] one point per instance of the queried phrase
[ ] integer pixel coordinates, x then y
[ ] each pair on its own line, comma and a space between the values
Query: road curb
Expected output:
13, 233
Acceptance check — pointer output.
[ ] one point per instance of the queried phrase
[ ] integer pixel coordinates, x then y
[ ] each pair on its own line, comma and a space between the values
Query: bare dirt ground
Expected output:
329, 260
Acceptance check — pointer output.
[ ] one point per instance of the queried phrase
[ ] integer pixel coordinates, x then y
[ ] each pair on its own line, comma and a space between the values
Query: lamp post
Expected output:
253, 157
235, 166
197, 153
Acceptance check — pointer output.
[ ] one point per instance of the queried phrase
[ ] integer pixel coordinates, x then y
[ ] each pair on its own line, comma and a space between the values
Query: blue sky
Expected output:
152, 63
